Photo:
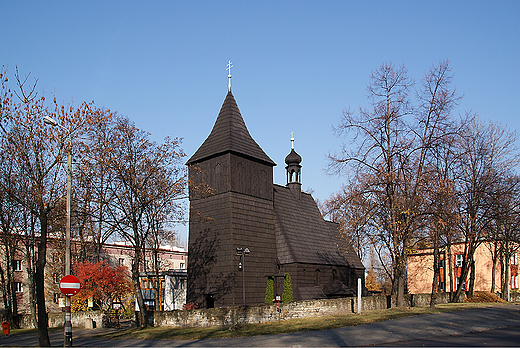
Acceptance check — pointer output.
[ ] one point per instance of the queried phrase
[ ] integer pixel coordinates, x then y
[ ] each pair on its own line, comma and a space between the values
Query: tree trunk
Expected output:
141, 315
471, 286
502, 275
14, 302
507, 284
436, 270
43, 333
5, 291
494, 268
468, 255
8, 289
399, 279
157, 283
449, 262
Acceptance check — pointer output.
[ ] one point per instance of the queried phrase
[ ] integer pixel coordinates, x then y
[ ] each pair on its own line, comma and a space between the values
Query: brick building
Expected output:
420, 270
172, 276
236, 209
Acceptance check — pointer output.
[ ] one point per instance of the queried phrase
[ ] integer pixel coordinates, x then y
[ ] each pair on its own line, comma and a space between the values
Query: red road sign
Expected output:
70, 285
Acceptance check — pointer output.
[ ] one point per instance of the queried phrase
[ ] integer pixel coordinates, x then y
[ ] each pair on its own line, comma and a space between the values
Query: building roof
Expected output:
230, 134
303, 236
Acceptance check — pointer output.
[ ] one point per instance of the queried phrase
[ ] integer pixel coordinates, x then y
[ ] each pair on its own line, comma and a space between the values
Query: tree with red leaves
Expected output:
102, 282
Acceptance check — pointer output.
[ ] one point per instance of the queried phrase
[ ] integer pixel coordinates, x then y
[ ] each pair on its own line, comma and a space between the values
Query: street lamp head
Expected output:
49, 120
240, 251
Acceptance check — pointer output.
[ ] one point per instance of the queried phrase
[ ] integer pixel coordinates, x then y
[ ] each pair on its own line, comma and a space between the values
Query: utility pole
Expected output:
67, 326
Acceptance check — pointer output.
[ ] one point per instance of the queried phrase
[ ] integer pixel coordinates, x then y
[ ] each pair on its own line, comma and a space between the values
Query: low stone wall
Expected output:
256, 314
304, 309
268, 313
79, 319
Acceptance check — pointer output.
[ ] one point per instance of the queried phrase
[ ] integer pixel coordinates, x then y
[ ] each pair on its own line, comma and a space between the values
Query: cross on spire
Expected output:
292, 140
229, 66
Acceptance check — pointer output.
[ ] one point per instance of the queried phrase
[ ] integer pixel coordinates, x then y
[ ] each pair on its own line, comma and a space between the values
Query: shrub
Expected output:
269, 290
287, 295
190, 305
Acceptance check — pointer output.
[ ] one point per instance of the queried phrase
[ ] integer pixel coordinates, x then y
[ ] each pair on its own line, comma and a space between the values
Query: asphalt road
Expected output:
477, 327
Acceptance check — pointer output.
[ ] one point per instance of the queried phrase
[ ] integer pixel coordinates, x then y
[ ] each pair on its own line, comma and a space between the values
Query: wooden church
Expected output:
244, 229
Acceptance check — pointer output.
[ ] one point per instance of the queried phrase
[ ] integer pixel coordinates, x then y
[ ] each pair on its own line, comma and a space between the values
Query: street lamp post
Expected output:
68, 324
242, 253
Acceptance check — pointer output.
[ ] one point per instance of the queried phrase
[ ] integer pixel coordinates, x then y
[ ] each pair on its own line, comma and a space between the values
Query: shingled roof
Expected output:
303, 236
230, 134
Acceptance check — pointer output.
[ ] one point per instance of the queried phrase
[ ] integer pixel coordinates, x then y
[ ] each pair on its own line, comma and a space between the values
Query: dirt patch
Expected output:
483, 296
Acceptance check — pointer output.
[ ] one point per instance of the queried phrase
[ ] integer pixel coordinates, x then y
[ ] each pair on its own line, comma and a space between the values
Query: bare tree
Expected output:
144, 174
37, 151
389, 160
504, 238
486, 153
94, 195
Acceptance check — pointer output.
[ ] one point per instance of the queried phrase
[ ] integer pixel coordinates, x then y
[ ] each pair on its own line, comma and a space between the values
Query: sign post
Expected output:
278, 298
69, 286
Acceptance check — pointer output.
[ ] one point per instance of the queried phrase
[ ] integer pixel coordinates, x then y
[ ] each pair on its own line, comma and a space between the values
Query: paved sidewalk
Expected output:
424, 328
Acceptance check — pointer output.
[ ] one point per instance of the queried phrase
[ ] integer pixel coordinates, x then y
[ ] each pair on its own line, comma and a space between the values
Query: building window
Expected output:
18, 265
459, 258
179, 284
317, 277
121, 261
442, 286
56, 298
56, 277
514, 259
441, 263
19, 286
514, 282
181, 265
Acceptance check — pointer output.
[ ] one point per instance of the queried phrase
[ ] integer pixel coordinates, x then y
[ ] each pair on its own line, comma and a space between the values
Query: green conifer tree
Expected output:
287, 295
269, 290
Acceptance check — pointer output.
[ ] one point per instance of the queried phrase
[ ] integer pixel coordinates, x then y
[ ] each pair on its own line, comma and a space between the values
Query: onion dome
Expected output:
293, 158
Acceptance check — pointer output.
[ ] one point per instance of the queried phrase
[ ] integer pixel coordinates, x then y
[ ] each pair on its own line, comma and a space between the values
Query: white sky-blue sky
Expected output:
297, 64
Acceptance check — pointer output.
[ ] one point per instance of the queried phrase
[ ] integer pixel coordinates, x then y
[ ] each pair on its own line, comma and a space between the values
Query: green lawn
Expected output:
292, 325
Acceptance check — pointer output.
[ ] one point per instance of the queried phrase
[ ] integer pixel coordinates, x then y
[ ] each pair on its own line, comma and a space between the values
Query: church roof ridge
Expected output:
230, 134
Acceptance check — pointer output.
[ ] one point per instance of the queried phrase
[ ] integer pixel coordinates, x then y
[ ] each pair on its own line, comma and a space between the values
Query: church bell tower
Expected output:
231, 209
294, 171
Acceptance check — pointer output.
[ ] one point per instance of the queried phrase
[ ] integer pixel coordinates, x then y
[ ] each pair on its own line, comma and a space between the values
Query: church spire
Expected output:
229, 66
230, 134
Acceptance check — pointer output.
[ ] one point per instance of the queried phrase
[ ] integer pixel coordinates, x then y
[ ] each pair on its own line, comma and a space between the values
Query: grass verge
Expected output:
291, 325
